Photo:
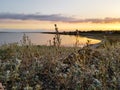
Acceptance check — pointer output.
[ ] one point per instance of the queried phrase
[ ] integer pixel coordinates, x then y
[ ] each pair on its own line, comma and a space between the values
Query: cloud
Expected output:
105, 20
56, 17
52, 17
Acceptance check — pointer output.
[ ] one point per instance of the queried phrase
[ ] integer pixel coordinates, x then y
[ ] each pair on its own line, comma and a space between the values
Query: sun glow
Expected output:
63, 26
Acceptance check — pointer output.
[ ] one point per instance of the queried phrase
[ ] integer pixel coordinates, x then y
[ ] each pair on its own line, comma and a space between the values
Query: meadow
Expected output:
37, 67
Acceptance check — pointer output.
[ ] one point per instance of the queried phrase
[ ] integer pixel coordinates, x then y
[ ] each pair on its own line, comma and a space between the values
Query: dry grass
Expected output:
63, 68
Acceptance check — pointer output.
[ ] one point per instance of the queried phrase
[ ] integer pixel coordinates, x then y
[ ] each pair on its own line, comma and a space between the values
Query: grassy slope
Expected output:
50, 67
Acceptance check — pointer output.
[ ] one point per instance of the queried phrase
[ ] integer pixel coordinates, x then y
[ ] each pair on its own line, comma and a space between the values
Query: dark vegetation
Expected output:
109, 32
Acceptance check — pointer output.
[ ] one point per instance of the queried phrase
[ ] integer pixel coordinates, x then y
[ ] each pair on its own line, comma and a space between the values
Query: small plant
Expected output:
56, 39
77, 39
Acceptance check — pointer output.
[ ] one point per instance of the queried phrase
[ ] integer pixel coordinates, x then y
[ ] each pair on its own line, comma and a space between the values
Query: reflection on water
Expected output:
43, 39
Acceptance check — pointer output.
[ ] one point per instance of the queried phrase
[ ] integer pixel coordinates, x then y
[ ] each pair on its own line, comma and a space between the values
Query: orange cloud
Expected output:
63, 26
47, 23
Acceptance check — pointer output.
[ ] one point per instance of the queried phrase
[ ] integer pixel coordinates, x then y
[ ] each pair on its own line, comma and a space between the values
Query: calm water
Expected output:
43, 39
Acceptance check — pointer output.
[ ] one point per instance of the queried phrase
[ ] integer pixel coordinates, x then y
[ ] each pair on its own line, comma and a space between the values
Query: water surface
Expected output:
43, 39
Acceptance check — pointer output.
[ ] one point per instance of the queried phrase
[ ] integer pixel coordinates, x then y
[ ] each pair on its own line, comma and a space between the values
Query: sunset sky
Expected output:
67, 14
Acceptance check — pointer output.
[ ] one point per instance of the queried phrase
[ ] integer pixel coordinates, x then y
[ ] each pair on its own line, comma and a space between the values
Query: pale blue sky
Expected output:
76, 8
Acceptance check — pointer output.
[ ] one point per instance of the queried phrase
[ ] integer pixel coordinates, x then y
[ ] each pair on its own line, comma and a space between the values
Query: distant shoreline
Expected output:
90, 34
85, 32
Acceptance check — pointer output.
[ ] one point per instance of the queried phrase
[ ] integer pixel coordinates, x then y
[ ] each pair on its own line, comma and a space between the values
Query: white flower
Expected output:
18, 61
8, 72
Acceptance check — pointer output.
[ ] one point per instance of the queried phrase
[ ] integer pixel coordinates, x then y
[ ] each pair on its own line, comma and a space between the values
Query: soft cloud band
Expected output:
55, 17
